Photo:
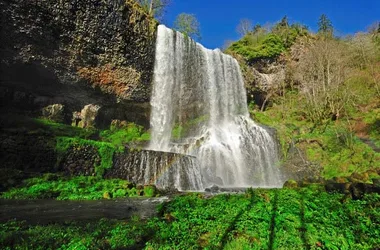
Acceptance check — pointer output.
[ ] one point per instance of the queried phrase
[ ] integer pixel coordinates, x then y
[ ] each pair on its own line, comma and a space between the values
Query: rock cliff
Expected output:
76, 53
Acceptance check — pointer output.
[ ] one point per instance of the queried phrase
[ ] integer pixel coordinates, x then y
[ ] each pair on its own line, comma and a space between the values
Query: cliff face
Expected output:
77, 52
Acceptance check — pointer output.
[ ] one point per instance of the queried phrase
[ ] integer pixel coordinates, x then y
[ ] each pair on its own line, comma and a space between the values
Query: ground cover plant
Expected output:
303, 218
54, 186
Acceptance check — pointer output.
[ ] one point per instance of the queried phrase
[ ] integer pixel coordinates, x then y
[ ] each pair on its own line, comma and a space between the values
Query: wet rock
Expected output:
332, 186
80, 160
147, 167
376, 182
358, 190
213, 189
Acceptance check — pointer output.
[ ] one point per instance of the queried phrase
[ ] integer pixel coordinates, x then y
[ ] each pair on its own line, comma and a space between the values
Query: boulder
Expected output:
54, 112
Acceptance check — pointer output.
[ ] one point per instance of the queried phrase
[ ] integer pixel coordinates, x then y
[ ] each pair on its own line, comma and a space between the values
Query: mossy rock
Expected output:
150, 191
340, 179
290, 184
360, 177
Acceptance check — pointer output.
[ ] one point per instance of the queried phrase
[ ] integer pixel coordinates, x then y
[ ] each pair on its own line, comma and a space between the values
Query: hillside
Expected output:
321, 93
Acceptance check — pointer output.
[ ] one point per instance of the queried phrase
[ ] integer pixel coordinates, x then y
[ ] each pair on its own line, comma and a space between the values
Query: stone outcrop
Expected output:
80, 160
54, 112
76, 53
163, 169
27, 152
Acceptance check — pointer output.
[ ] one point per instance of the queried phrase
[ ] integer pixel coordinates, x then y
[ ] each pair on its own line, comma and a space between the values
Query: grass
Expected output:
306, 218
52, 186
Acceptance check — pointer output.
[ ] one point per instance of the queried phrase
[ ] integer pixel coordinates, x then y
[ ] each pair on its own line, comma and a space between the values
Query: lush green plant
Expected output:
121, 137
53, 186
262, 44
270, 46
260, 219
105, 150
333, 145
188, 25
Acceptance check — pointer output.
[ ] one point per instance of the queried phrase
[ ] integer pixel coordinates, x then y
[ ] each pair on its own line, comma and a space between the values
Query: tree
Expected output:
366, 56
284, 22
244, 27
188, 25
374, 28
257, 28
325, 26
155, 8
322, 71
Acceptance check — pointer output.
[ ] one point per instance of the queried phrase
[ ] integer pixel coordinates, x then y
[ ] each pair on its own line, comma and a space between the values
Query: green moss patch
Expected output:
51, 186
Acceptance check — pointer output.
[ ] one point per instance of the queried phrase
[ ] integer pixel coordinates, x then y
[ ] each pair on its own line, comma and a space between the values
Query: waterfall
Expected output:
199, 108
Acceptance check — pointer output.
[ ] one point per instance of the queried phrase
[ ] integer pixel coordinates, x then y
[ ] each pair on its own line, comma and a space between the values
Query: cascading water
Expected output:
199, 108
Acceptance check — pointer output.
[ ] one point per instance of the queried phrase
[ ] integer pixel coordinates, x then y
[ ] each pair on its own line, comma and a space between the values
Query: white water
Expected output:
199, 108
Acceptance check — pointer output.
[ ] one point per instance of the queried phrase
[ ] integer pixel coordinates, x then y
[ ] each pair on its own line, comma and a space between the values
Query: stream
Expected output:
54, 211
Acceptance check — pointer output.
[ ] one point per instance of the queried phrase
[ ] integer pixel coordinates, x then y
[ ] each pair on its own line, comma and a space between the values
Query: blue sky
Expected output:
219, 18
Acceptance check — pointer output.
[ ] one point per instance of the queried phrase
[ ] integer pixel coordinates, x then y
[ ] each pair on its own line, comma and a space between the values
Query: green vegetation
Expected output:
306, 218
188, 25
105, 150
183, 129
327, 106
267, 46
119, 137
104, 234
53, 186
261, 43
333, 145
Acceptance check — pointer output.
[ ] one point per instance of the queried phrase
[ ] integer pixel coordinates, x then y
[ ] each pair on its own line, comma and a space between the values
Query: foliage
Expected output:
265, 44
333, 145
306, 218
322, 71
104, 234
188, 25
51, 186
105, 150
325, 26
269, 46
155, 8
119, 138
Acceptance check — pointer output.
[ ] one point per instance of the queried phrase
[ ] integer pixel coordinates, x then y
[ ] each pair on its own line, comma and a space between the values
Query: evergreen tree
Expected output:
325, 26
284, 22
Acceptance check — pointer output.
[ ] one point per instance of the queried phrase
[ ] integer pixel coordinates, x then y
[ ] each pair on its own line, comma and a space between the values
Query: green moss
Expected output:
121, 137
106, 151
59, 129
149, 191
52, 186
181, 130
